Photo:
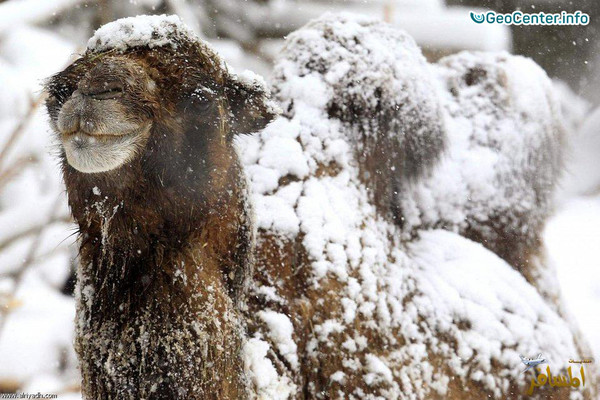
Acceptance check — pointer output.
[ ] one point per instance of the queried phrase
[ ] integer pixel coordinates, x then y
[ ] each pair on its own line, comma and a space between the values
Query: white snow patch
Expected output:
269, 385
572, 238
377, 370
26, 349
280, 330
142, 30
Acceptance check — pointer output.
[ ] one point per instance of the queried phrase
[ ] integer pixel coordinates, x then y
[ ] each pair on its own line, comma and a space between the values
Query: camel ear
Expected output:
250, 103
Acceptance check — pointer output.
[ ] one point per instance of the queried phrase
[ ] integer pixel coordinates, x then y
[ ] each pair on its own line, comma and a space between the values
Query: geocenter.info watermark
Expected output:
540, 18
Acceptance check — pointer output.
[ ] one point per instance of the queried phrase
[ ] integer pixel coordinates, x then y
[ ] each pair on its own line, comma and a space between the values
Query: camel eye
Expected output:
202, 98
107, 94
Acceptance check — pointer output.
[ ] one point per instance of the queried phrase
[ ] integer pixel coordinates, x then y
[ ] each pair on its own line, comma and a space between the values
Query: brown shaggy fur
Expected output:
166, 239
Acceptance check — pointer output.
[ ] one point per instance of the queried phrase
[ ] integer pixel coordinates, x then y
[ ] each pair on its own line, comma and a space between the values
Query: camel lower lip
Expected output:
99, 153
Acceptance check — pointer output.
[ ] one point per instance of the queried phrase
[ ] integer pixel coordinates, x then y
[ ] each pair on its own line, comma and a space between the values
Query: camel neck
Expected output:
158, 292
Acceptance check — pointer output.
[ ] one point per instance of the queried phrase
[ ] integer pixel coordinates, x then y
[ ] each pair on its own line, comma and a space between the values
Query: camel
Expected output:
227, 252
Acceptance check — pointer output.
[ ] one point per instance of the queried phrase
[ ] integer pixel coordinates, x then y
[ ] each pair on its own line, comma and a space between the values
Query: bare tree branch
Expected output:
20, 128
29, 259
34, 230
15, 168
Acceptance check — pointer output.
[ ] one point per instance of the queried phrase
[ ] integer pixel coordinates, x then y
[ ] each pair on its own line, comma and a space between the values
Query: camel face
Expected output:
107, 119
110, 109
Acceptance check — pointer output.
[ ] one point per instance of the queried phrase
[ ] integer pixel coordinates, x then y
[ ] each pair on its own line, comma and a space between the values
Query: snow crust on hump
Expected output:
142, 30
445, 306
504, 153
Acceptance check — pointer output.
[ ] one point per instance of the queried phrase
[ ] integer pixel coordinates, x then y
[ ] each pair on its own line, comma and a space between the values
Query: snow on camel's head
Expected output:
141, 77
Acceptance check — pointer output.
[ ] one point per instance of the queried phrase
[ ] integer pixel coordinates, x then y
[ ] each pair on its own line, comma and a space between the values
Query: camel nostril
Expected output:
68, 120
88, 126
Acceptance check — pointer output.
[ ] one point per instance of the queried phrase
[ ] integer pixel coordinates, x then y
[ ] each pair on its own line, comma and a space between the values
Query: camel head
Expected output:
125, 97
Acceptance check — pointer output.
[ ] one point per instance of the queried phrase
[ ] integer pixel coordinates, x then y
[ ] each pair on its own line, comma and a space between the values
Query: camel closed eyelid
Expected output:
106, 94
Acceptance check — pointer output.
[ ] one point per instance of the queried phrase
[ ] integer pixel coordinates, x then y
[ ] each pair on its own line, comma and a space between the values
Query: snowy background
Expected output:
40, 37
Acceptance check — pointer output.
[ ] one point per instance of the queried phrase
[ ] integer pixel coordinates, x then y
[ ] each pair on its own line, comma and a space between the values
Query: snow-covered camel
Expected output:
354, 264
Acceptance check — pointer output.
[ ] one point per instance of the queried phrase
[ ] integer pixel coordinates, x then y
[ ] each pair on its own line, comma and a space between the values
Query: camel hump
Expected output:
373, 81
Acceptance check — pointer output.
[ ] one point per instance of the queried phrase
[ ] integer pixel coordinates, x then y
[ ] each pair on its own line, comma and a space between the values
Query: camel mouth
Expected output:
95, 153
84, 140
